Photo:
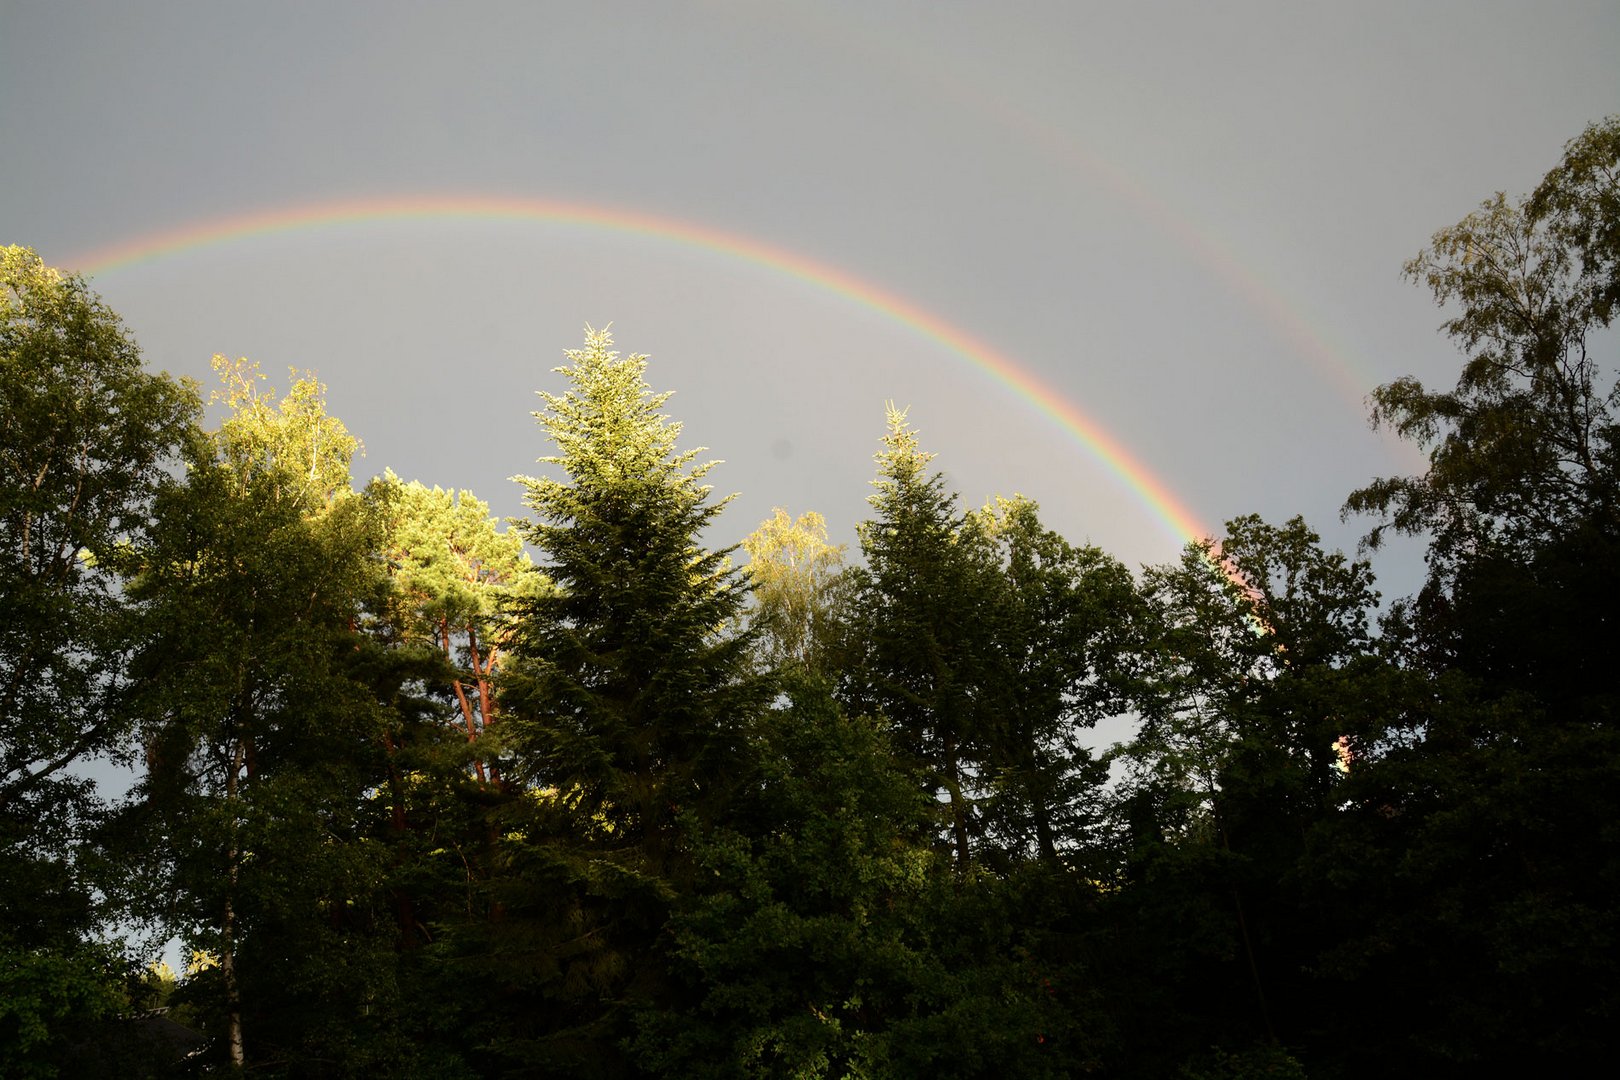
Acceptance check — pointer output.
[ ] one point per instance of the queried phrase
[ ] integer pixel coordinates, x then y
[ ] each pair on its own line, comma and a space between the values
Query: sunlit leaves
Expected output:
800, 591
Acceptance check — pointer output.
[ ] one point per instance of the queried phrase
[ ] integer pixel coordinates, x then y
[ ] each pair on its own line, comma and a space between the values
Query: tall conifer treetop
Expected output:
916, 620
628, 683
609, 432
907, 493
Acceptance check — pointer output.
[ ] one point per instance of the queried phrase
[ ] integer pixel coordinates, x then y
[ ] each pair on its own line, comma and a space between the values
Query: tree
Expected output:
1262, 686
991, 644
800, 944
823, 939
1524, 449
1491, 875
1063, 635
630, 695
800, 591
87, 438
261, 732
1522, 495
454, 572
628, 703
1579, 202
916, 631
1261, 673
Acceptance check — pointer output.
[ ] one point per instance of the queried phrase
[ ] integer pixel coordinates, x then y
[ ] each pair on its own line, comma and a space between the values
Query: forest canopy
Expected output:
423, 793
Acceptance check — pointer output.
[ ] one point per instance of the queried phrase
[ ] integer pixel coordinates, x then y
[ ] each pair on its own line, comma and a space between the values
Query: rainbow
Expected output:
1148, 489
981, 93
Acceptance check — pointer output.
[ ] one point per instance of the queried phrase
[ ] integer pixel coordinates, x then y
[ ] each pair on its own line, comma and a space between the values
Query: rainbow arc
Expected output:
1149, 490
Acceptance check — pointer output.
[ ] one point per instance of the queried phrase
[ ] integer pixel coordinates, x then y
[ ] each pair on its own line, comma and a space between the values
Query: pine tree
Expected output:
453, 571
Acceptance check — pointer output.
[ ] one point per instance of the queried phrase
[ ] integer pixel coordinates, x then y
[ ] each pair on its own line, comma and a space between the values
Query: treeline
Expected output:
419, 807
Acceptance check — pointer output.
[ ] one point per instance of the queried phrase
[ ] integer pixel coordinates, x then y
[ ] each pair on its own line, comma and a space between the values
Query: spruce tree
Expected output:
918, 636
631, 692
627, 704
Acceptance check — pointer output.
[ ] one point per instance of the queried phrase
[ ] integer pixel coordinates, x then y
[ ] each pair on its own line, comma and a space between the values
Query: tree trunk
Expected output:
953, 778
227, 953
461, 697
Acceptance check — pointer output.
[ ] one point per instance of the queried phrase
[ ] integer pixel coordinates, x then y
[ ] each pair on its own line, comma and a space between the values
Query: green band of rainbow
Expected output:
1153, 493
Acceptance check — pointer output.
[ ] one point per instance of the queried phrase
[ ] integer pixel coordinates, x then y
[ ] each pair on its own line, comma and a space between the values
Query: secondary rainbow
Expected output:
1153, 493
976, 91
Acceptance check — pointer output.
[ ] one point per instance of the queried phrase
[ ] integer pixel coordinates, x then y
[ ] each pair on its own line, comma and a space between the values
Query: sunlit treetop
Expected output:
294, 444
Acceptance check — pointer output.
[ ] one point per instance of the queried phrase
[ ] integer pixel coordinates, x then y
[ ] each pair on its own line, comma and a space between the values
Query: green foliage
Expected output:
1064, 628
800, 592
798, 943
86, 438
1525, 446
992, 645
1483, 866
821, 940
1580, 204
1467, 879
1261, 634
86, 441
1264, 686
260, 731
629, 695
915, 638
48, 1000
1258, 1063
452, 566
454, 576
628, 708
1004, 990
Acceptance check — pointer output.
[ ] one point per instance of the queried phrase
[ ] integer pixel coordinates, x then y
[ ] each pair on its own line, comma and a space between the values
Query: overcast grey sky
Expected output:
1187, 218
